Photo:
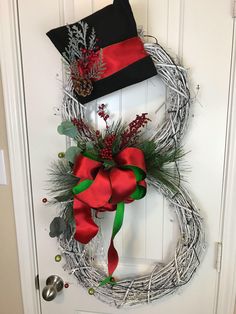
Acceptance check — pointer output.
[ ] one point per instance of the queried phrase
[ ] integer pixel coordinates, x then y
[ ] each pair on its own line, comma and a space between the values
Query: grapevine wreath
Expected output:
105, 170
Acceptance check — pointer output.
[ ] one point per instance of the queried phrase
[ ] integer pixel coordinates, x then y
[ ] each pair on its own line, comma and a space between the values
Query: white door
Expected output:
200, 33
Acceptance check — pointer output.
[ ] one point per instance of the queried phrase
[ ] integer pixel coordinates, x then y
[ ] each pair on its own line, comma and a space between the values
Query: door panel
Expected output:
201, 37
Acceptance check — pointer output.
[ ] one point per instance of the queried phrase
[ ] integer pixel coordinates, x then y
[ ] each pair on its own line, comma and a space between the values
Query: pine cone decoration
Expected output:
83, 87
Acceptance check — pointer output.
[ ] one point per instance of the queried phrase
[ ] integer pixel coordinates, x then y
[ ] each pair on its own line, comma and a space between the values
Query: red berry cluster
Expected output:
109, 140
83, 128
86, 62
80, 124
103, 113
106, 152
129, 135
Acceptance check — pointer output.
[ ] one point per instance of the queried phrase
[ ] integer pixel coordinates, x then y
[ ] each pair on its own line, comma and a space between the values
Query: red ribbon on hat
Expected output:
120, 55
105, 189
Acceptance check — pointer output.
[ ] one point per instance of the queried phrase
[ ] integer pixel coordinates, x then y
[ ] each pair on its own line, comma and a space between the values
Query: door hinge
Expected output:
234, 9
219, 247
36, 282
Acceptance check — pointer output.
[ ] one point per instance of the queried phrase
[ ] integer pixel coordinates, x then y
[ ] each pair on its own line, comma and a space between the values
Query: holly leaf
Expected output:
67, 128
71, 153
57, 227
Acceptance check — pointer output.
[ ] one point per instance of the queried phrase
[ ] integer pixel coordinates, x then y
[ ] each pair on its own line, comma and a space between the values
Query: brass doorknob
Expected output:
54, 284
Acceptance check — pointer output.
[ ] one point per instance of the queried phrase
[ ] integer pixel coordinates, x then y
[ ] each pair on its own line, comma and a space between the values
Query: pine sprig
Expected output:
118, 129
76, 35
80, 33
162, 166
98, 68
85, 60
92, 39
61, 180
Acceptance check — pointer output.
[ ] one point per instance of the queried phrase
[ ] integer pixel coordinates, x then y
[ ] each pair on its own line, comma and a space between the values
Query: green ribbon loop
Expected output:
139, 173
82, 186
139, 193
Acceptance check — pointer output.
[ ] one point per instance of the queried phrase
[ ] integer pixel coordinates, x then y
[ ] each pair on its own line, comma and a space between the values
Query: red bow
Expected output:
102, 189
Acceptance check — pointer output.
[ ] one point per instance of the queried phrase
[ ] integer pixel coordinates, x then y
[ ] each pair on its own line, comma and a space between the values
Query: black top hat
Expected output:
103, 51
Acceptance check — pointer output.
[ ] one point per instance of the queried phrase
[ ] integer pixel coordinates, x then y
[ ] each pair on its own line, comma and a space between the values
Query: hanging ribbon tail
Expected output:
113, 258
86, 229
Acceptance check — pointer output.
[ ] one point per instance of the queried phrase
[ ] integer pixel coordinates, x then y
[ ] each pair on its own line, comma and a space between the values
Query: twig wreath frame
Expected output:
164, 279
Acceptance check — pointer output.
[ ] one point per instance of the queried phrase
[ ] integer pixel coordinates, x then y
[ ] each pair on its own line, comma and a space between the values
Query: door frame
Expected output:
14, 99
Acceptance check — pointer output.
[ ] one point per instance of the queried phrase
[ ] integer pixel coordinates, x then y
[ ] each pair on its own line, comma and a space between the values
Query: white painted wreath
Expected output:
164, 279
